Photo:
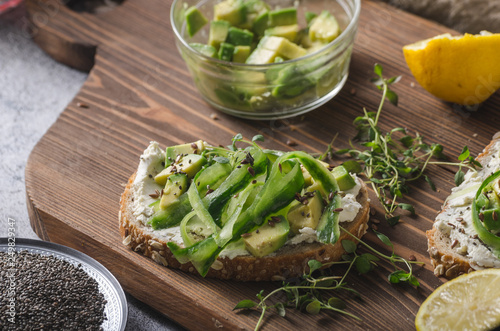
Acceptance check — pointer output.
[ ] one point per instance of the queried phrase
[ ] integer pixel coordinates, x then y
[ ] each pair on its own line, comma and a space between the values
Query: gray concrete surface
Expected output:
34, 90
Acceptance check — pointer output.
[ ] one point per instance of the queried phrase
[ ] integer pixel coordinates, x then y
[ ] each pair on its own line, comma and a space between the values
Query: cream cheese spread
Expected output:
151, 163
456, 220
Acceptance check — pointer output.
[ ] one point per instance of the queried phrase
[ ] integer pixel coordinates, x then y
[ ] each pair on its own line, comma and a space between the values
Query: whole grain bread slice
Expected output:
444, 259
288, 262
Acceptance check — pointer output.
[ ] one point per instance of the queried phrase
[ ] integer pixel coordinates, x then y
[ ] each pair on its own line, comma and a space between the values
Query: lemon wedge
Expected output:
468, 302
463, 70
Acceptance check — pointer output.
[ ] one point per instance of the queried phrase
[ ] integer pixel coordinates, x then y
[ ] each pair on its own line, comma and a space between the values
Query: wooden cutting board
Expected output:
139, 90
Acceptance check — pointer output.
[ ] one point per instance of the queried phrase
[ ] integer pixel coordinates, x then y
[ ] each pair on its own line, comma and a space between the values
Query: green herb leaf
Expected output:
392, 97
407, 206
258, 137
349, 246
407, 141
459, 177
430, 182
280, 309
394, 80
314, 307
245, 304
221, 159
398, 276
314, 265
384, 239
413, 281
378, 70
337, 303
464, 155
393, 220
370, 257
437, 151
325, 282
362, 264
346, 257
342, 151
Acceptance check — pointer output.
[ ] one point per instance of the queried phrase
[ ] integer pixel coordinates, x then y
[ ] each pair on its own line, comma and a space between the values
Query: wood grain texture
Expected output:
139, 90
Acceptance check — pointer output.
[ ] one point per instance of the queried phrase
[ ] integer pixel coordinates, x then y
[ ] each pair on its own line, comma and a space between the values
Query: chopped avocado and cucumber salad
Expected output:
246, 197
251, 32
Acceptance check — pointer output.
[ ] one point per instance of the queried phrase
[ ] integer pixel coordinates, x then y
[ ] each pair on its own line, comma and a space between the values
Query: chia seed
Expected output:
50, 294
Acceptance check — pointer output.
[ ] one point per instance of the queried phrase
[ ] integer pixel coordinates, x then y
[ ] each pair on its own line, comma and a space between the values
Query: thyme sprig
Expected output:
394, 159
314, 291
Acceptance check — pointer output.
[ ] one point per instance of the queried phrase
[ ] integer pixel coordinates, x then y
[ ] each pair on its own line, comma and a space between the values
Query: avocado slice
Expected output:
239, 37
343, 178
233, 11
261, 56
324, 27
301, 216
195, 20
218, 33
282, 46
267, 238
172, 152
175, 186
226, 52
261, 23
189, 164
206, 50
241, 54
285, 16
286, 31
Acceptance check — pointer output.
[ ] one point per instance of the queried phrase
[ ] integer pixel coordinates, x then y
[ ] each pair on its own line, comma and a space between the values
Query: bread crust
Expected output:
288, 262
445, 261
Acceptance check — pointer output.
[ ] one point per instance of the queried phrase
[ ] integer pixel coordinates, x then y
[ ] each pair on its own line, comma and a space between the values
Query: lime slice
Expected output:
468, 302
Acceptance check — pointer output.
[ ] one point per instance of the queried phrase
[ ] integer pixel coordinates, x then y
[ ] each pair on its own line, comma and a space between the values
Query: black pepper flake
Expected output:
194, 146
412, 258
251, 171
257, 231
337, 210
455, 242
271, 223
494, 215
276, 219
254, 181
209, 191
150, 176
291, 143
280, 168
481, 216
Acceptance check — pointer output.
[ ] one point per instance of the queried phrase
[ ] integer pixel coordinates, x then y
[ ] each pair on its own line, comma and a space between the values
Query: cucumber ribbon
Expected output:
486, 236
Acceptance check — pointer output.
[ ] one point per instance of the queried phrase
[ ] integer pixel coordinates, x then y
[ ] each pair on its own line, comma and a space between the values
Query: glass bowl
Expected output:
246, 90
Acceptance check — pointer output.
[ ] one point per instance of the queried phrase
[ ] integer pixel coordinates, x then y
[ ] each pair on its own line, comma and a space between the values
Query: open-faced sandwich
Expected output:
245, 214
466, 233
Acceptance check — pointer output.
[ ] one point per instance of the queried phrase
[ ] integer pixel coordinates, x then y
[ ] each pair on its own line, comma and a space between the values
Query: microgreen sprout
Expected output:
315, 291
394, 159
